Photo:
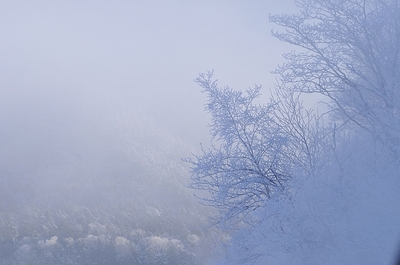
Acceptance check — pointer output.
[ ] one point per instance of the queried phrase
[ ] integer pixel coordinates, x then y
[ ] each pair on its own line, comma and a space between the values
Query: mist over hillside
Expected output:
86, 176
86, 173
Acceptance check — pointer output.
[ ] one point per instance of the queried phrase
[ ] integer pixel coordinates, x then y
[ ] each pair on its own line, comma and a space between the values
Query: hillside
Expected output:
88, 179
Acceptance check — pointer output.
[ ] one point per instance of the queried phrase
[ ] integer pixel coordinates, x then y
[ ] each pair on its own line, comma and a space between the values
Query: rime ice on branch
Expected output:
245, 164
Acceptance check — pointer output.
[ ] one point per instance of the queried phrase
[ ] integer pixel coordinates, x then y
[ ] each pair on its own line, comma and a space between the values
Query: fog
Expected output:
97, 108
146, 52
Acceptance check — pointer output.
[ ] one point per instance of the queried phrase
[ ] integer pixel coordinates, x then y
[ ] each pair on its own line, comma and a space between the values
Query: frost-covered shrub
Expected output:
93, 239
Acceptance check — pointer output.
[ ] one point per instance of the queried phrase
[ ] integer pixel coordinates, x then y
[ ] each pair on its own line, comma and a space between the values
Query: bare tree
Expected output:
245, 164
350, 53
305, 182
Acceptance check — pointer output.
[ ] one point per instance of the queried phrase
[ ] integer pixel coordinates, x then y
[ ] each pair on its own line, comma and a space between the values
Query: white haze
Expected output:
97, 108
148, 52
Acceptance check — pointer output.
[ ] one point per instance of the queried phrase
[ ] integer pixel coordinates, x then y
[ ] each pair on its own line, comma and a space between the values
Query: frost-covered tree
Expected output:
245, 165
257, 154
349, 52
337, 198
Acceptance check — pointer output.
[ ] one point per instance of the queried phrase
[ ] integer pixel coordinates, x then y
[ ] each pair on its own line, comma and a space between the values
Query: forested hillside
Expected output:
88, 179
